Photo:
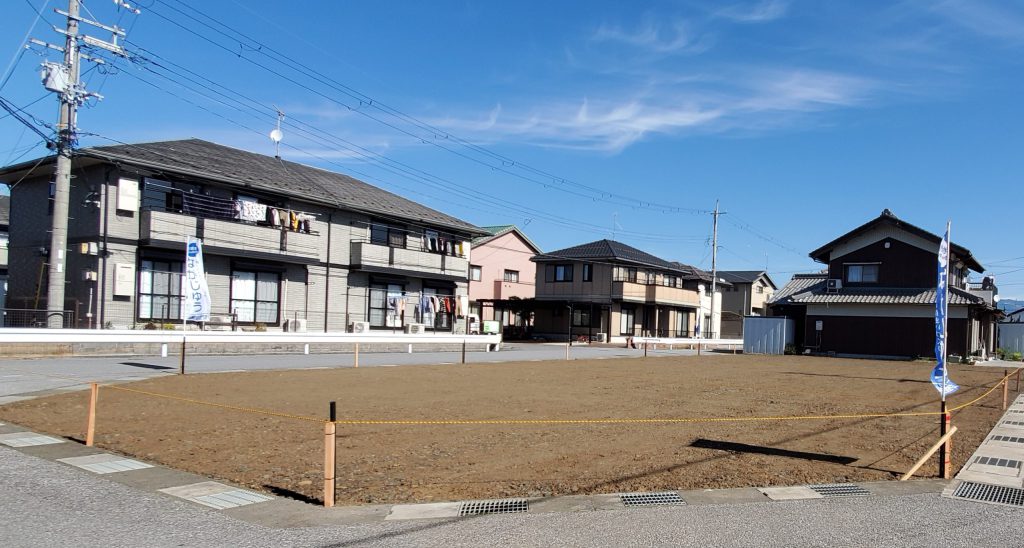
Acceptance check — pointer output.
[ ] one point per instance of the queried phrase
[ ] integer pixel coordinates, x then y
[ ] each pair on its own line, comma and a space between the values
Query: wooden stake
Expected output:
567, 350
924, 458
1017, 387
90, 427
330, 463
357, 355
645, 349
1006, 389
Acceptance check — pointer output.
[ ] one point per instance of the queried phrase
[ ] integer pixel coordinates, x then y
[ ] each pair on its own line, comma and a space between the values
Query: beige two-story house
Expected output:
609, 290
746, 295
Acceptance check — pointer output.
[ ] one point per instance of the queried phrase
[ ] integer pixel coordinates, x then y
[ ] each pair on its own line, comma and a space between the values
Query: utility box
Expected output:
491, 327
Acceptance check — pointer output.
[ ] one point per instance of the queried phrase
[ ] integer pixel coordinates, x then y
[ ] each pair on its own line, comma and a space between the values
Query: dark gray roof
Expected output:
198, 158
887, 216
608, 250
744, 276
501, 230
691, 272
810, 289
5, 210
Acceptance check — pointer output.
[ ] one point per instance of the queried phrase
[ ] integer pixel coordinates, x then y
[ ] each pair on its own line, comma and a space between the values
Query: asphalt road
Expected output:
48, 504
19, 377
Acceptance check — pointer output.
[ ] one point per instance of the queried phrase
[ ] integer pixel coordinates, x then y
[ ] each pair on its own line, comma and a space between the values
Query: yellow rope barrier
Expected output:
255, 410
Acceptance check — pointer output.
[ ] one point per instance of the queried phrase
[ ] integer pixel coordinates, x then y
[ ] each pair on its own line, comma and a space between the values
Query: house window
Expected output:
384, 306
558, 273
512, 276
862, 273
625, 274
627, 321
581, 318
669, 281
588, 273
682, 323
160, 290
255, 296
760, 288
475, 273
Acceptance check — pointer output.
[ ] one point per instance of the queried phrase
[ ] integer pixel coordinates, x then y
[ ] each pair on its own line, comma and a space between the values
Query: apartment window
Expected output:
255, 296
581, 318
669, 281
588, 272
160, 290
558, 273
512, 276
475, 273
862, 273
384, 306
627, 320
625, 274
387, 235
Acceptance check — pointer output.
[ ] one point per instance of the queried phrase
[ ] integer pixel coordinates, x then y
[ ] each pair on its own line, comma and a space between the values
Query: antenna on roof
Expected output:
276, 135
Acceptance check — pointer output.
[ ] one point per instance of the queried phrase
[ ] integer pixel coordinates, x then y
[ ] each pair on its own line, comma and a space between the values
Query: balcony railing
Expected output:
229, 236
411, 256
651, 293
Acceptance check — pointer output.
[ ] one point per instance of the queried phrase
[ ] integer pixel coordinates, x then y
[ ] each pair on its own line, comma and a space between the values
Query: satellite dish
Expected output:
276, 135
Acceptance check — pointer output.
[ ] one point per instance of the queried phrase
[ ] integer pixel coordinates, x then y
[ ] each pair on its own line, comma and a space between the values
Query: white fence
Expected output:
688, 341
111, 336
1011, 336
766, 335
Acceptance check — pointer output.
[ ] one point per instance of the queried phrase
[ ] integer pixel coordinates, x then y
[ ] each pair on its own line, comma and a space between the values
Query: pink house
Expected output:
500, 268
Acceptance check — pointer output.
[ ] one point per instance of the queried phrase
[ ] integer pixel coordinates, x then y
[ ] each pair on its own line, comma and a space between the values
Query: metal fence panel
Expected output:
1011, 336
766, 335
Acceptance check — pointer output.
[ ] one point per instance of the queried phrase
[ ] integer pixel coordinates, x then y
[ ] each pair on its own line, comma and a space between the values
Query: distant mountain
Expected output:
1011, 305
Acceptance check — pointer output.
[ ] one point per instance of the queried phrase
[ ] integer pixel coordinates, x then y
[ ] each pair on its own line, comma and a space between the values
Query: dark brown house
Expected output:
877, 295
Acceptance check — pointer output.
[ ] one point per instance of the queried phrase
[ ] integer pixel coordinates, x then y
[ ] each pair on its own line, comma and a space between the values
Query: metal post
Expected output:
945, 454
463, 350
181, 362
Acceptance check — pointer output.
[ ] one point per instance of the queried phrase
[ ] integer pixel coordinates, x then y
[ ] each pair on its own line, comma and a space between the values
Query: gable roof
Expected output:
805, 289
501, 230
5, 210
608, 250
691, 272
888, 217
240, 168
745, 276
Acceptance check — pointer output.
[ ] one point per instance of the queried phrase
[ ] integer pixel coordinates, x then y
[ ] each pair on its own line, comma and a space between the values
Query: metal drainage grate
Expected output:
1010, 439
997, 494
651, 499
994, 461
1014, 423
839, 490
506, 506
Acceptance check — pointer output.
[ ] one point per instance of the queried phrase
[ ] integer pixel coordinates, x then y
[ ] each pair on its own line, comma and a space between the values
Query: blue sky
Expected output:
577, 119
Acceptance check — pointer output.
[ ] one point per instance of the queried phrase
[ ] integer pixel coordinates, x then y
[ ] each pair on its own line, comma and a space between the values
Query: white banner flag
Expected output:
195, 302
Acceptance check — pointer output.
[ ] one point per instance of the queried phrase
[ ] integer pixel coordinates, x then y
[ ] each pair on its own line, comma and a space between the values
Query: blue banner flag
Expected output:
939, 376
195, 302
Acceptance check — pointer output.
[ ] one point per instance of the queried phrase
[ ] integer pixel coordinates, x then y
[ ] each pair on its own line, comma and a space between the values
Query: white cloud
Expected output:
674, 37
992, 20
759, 12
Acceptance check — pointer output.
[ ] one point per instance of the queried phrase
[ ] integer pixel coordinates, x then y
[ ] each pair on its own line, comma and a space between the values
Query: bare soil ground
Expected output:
415, 463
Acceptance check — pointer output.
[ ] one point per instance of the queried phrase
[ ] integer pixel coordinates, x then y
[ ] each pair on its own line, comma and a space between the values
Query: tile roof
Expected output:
887, 216
241, 168
608, 250
501, 230
810, 289
744, 276
691, 272
5, 210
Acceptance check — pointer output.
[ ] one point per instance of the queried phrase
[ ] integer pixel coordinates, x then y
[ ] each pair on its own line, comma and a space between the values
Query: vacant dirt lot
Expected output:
404, 463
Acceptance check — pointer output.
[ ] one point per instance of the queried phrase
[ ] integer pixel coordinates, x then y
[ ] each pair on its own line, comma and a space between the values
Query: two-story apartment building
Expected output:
501, 270
746, 295
282, 241
5, 209
607, 287
877, 295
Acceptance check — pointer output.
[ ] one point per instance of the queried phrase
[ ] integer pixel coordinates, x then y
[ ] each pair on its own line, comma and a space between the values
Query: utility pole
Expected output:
63, 79
714, 266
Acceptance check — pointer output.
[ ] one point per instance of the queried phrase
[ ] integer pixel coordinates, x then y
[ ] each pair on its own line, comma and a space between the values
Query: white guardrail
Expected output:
687, 341
121, 336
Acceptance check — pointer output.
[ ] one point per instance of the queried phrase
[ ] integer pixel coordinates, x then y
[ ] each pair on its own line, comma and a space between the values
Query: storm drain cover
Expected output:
505, 506
1013, 423
839, 490
651, 499
996, 494
1009, 439
27, 439
994, 461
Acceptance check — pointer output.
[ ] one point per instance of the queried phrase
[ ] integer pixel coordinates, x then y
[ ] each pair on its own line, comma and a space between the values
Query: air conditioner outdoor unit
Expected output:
360, 327
833, 285
602, 337
295, 325
415, 328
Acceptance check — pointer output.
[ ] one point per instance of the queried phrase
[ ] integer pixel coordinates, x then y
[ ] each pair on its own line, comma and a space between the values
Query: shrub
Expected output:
149, 326
1015, 356
790, 350
261, 327
167, 327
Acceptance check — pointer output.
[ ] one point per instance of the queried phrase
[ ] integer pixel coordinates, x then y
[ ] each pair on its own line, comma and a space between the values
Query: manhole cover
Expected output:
506, 506
996, 494
839, 490
651, 499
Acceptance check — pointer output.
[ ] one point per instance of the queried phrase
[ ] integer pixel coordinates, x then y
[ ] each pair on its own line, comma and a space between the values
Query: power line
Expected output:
431, 135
